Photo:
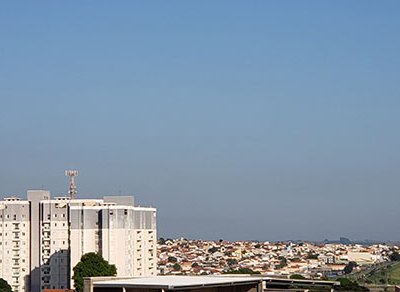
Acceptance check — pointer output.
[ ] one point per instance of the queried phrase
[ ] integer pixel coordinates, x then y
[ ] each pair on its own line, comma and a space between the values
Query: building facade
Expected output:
15, 243
43, 238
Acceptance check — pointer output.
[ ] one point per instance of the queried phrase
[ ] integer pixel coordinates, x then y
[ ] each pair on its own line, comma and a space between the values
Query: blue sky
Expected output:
237, 119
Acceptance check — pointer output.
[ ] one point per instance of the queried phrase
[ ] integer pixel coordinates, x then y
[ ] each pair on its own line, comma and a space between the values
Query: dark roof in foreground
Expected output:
177, 282
283, 281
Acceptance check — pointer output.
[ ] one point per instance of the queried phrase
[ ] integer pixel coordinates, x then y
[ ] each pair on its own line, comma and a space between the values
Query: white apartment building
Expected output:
49, 236
14, 242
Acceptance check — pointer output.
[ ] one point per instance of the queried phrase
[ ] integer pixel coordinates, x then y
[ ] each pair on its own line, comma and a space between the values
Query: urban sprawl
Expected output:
200, 257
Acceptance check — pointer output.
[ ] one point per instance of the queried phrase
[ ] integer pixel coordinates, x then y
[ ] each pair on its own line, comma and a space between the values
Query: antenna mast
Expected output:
72, 185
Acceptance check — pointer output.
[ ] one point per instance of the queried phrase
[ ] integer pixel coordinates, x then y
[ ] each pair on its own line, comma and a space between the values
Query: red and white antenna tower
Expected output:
72, 185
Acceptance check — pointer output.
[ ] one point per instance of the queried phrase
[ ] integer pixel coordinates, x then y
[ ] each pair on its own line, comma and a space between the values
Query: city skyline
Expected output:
236, 120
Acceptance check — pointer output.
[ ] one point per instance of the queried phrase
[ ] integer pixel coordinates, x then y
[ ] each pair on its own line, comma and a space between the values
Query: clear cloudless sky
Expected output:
267, 120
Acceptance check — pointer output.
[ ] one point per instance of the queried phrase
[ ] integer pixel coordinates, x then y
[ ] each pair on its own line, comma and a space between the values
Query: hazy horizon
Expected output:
237, 120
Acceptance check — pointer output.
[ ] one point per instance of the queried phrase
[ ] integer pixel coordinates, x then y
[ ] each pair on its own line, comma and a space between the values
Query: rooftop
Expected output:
176, 282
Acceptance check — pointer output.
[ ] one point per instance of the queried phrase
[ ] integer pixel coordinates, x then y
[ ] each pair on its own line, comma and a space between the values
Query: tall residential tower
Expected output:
43, 238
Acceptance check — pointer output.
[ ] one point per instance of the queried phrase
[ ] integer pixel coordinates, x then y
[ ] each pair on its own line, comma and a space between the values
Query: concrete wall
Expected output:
34, 198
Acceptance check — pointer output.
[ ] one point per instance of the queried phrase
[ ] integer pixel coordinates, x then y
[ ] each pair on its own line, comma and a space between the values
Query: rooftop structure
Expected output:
173, 283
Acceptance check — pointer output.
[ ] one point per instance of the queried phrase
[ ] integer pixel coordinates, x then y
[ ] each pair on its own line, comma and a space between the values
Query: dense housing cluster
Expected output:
195, 257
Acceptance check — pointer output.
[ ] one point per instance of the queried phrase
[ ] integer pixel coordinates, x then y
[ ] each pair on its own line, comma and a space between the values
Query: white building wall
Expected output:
54, 242
14, 243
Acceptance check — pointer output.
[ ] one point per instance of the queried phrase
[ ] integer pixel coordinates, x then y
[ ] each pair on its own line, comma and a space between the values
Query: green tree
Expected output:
349, 285
297, 277
231, 262
172, 259
177, 267
312, 256
242, 271
283, 262
213, 249
349, 267
395, 256
91, 265
4, 287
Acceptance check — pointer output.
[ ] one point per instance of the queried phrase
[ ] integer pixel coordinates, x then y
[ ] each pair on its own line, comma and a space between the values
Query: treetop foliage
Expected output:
4, 287
91, 265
